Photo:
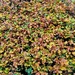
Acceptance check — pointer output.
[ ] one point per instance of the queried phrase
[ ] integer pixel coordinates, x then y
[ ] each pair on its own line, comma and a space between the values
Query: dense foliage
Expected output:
37, 37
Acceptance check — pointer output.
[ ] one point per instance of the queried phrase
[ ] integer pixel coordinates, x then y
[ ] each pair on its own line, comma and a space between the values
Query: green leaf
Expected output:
15, 23
27, 48
16, 74
73, 1
0, 56
73, 40
6, 70
1, 68
5, 36
39, 0
29, 71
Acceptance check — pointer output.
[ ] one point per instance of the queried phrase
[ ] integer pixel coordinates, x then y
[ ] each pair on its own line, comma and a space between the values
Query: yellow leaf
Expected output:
67, 56
63, 68
17, 33
0, 34
17, 26
52, 44
59, 52
1, 64
48, 17
73, 53
1, 15
1, 51
64, 51
73, 61
50, 68
66, 20
67, 63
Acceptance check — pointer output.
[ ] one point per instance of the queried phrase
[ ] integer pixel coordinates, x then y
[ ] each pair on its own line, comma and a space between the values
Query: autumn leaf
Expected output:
1, 15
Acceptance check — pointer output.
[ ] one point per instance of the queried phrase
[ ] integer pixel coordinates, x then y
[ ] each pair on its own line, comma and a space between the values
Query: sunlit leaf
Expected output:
6, 70
1, 15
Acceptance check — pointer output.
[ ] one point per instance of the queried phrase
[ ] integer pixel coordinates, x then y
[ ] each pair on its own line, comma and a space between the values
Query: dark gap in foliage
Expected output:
70, 13
47, 64
53, 63
46, 47
12, 71
9, 64
74, 70
62, 0
10, 47
19, 42
7, 39
38, 24
73, 55
29, 43
65, 72
33, 73
27, 12
10, 4
50, 72
21, 69
31, 55
73, 40
26, 48
28, 37
18, 8
57, 36
39, 35
48, 9
5, 30
40, 63
33, 38
66, 39
68, 44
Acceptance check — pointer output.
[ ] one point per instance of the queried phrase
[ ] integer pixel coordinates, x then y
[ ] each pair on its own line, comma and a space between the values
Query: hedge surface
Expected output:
37, 37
